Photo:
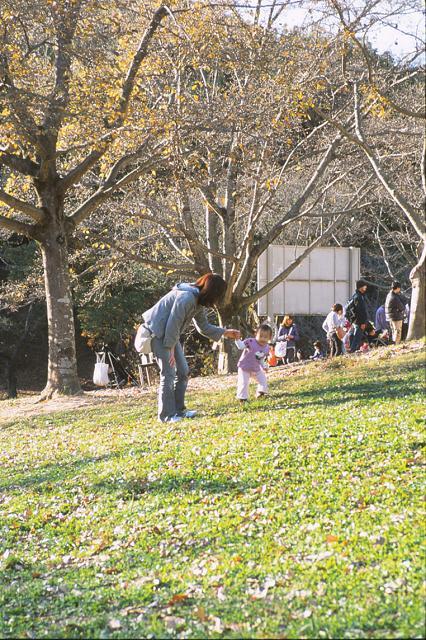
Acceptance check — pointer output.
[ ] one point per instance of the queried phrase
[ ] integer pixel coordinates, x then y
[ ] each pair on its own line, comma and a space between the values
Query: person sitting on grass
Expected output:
370, 333
253, 362
318, 352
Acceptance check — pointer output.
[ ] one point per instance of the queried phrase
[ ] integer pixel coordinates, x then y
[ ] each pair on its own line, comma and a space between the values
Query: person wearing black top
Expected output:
360, 311
395, 310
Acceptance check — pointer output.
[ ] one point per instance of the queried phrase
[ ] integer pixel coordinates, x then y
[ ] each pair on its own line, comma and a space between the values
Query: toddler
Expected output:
318, 353
253, 362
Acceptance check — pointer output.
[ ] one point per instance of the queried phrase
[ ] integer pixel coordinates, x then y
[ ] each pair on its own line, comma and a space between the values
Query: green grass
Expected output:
296, 516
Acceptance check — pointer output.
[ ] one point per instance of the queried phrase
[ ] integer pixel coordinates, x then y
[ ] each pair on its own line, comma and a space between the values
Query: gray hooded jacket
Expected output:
169, 318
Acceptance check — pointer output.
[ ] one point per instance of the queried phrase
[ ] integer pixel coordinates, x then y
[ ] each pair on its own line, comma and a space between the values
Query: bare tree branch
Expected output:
252, 253
350, 30
138, 58
22, 165
410, 212
66, 24
18, 227
23, 207
111, 184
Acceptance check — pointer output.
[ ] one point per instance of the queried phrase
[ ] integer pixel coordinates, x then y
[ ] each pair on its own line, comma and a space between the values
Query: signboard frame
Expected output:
327, 275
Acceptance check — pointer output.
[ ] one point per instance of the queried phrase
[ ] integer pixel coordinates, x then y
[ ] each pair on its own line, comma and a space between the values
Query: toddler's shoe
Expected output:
261, 394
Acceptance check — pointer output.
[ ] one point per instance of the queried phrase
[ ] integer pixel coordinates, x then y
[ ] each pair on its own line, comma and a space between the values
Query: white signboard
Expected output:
326, 276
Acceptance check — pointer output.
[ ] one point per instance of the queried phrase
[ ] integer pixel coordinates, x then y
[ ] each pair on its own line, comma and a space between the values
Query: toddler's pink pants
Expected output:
244, 381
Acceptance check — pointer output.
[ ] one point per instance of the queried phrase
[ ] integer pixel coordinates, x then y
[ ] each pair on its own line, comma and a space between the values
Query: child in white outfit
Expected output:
253, 362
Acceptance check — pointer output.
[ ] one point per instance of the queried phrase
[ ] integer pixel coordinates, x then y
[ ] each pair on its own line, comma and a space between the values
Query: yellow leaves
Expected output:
5, 210
379, 105
348, 34
271, 183
100, 245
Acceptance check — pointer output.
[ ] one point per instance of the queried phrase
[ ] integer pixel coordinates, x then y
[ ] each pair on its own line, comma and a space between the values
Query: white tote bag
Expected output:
143, 340
281, 349
100, 374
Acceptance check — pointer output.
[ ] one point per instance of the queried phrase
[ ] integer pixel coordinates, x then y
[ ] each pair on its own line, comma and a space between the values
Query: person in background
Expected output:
318, 352
395, 310
359, 317
405, 322
381, 324
289, 333
253, 362
166, 321
333, 325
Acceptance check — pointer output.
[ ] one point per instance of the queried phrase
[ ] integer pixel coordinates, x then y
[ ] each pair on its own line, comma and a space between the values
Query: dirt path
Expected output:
28, 406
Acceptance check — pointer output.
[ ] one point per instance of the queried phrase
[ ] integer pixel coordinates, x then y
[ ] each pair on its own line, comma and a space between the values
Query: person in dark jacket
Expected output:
361, 317
166, 321
289, 334
395, 311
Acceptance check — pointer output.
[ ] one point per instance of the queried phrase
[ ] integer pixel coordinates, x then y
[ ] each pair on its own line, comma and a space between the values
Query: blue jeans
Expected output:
355, 339
173, 380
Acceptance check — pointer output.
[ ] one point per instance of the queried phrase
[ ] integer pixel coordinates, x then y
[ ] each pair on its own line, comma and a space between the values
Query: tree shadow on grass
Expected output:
49, 477
171, 484
54, 473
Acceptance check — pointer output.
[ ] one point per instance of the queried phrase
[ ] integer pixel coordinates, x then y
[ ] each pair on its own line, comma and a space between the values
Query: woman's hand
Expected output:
232, 334
172, 360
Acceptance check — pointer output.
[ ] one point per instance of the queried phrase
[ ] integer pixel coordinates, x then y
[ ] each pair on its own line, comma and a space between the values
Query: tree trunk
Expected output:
416, 328
229, 354
62, 365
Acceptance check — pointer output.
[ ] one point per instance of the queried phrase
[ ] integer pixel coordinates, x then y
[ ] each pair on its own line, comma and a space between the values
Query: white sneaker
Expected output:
190, 414
175, 418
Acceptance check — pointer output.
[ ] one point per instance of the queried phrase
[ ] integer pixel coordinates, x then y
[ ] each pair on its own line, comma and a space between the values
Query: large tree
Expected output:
255, 166
74, 120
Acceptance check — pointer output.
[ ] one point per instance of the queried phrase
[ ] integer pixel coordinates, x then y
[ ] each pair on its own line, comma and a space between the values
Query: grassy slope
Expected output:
296, 516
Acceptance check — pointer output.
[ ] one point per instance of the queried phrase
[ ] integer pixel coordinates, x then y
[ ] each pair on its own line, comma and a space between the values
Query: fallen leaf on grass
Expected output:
178, 597
200, 613
332, 538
